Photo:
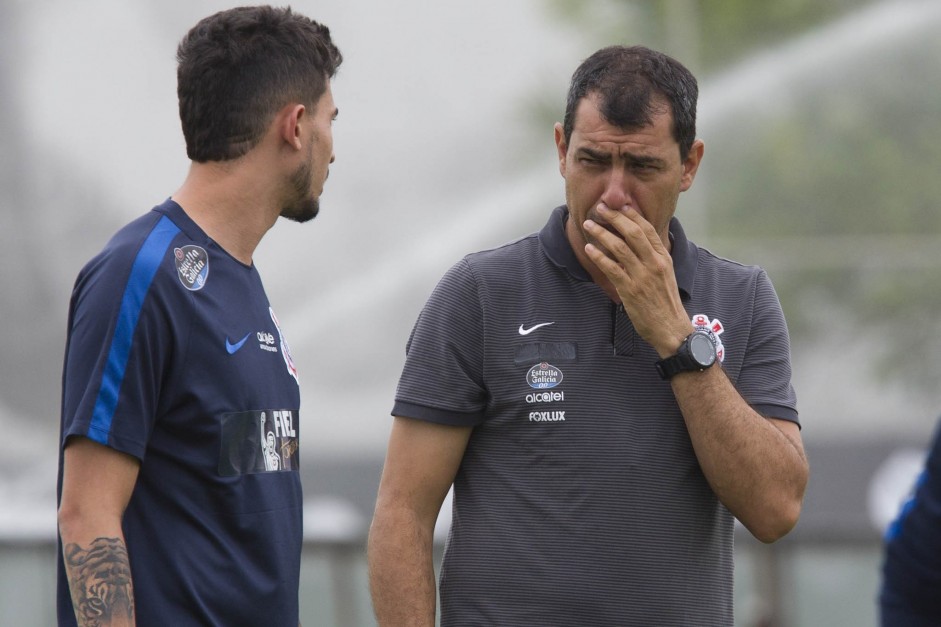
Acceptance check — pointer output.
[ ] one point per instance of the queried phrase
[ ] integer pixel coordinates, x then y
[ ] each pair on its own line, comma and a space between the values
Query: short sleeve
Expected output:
442, 380
119, 344
765, 379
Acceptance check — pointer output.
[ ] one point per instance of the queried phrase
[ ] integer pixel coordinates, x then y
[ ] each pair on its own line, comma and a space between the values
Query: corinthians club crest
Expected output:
714, 328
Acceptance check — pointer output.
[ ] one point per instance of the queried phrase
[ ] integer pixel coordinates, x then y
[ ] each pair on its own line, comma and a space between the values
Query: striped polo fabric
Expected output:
579, 500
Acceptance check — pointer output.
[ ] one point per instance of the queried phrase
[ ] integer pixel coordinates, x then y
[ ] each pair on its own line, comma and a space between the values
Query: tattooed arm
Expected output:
97, 482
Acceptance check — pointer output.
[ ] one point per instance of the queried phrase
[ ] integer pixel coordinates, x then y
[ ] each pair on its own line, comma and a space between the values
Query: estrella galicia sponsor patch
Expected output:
543, 375
259, 441
192, 266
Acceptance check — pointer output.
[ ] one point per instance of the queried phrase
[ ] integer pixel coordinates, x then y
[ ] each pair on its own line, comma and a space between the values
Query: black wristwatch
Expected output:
696, 353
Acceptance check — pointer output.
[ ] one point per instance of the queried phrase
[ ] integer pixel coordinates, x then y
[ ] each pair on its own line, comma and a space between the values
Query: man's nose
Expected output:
615, 193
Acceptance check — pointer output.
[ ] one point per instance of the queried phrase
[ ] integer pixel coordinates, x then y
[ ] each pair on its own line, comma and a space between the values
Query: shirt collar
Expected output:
178, 215
556, 247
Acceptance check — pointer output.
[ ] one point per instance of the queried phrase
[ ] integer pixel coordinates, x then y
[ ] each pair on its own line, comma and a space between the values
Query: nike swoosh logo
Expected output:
232, 348
533, 328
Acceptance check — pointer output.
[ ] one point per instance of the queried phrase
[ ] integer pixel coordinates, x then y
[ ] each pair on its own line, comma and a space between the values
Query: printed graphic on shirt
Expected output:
192, 266
285, 349
259, 441
714, 328
543, 375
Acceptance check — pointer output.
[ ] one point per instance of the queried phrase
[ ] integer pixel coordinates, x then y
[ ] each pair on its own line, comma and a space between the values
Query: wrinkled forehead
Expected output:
593, 127
651, 128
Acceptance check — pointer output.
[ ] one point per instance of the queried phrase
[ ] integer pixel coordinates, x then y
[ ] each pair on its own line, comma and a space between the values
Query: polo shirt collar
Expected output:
557, 248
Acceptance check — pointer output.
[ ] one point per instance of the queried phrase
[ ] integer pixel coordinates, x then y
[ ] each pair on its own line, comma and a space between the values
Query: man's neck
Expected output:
229, 205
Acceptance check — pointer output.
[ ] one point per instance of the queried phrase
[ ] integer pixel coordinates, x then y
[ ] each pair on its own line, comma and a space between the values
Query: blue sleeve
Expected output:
119, 340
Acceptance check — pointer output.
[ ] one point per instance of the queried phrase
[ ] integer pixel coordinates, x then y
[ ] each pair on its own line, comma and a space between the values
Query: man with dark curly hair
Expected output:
179, 387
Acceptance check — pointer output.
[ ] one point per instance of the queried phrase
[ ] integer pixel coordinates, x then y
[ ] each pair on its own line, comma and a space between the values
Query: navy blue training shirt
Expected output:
174, 356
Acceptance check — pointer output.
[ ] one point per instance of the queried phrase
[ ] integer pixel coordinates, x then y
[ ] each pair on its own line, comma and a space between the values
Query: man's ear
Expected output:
691, 164
561, 146
291, 118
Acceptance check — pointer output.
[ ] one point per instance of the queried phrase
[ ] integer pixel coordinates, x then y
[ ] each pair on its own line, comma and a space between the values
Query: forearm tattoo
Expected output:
100, 581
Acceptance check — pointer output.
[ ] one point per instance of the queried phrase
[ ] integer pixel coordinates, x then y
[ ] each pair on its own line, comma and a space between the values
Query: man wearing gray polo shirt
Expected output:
605, 396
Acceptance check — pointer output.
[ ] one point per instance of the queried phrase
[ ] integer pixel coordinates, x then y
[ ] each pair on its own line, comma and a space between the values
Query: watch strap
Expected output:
675, 364
683, 360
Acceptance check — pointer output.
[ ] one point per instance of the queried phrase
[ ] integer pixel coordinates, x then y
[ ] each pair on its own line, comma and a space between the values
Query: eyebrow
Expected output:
633, 159
594, 154
644, 160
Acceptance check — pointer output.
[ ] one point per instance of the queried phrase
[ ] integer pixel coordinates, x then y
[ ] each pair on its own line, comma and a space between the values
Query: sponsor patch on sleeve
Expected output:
192, 266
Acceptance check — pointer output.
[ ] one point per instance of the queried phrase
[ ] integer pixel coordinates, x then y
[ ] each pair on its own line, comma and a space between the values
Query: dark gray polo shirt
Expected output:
579, 500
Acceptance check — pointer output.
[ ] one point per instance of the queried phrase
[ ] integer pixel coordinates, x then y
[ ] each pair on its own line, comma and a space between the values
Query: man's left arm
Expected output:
755, 465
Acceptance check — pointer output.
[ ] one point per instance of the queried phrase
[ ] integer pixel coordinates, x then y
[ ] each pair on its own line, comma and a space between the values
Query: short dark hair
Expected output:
629, 80
236, 68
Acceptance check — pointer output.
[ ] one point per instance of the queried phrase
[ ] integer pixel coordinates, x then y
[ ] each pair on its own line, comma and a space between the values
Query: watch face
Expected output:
702, 349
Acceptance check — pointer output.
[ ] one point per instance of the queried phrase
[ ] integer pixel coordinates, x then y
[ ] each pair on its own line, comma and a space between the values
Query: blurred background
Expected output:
822, 124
